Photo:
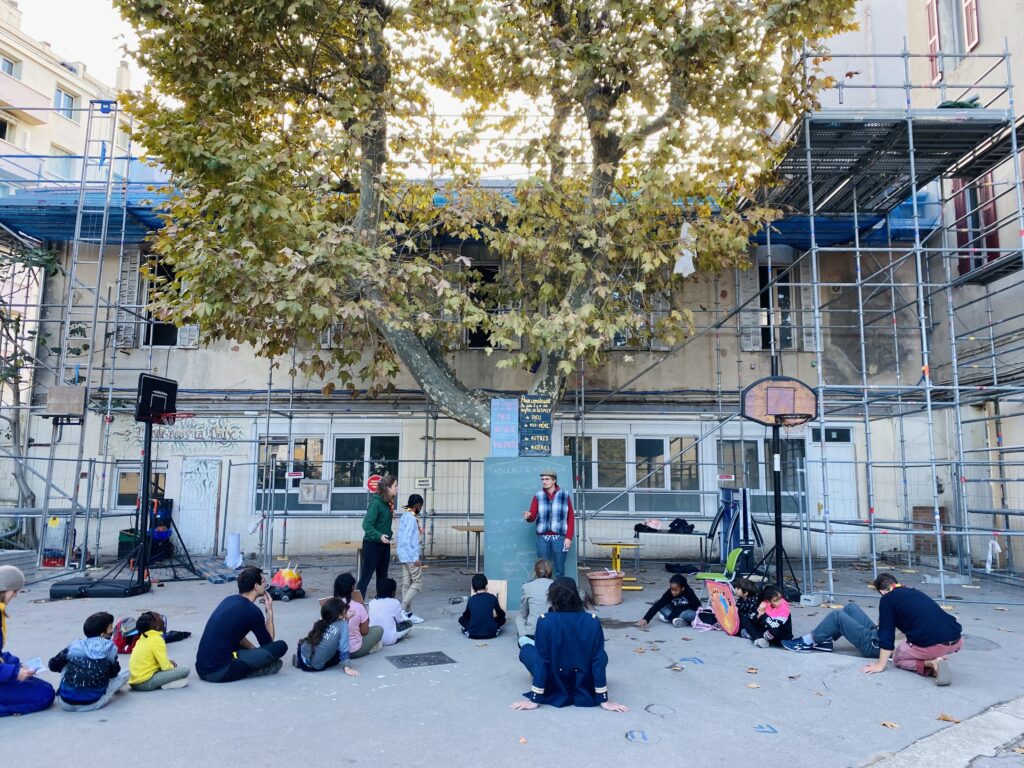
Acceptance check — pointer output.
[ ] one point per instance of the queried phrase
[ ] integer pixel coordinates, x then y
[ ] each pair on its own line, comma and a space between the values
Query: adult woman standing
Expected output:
568, 662
377, 534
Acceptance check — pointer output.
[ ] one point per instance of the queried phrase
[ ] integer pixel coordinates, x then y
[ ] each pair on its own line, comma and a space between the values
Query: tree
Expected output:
289, 127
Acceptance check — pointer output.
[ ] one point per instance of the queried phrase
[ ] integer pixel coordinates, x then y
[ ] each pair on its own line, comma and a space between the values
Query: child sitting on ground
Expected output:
483, 617
21, 692
678, 605
386, 612
149, 665
774, 623
90, 672
746, 606
362, 638
326, 645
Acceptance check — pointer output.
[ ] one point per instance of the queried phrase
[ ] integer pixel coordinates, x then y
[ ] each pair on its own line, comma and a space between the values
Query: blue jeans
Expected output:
551, 548
853, 624
669, 613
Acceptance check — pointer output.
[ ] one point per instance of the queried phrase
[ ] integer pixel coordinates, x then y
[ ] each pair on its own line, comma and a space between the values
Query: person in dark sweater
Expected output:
932, 634
677, 606
377, 534
483, 617
90, 672
746, 606
225, 653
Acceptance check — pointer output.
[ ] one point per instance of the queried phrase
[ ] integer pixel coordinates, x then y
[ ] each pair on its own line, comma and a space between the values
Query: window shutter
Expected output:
970, 14
188, 337
808, 340
961, 226
126, 330
934, 43
987, 204
750, 315
328, 336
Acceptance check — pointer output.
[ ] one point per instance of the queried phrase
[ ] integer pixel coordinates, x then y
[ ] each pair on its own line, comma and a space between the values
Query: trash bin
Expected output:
606, 587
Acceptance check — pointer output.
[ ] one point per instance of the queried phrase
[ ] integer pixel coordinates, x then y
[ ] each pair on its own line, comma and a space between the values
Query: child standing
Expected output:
773, 619
21, 693
90, 672
483, 617
746, 607
326, 645
678, 605
386, 612
409, 555
149, 665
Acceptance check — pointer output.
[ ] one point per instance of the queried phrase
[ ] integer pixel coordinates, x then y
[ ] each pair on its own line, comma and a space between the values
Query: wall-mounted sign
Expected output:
504, 427
535, 425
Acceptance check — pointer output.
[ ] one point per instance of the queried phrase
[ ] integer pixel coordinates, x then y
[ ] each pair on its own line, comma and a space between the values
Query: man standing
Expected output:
551, 509
225, 653
932, 634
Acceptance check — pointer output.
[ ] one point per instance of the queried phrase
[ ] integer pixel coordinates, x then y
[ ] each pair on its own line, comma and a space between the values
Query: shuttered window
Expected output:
934, 43
970, 13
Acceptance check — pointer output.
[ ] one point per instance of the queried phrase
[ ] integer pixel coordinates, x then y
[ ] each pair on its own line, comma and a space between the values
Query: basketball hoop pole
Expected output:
142, 565
777, 486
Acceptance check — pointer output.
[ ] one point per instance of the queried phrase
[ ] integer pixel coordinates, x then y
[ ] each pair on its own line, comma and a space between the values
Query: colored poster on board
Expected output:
504, 427
723, 605
535, 425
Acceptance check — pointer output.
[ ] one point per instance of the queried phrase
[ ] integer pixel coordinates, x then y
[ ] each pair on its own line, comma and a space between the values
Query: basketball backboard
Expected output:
767, 400
156, 396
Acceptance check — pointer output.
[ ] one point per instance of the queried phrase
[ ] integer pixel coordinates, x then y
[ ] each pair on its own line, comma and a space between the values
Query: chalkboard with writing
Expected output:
535, 425
510, 543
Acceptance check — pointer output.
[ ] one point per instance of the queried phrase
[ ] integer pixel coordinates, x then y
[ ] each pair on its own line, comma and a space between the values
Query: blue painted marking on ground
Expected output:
765, 729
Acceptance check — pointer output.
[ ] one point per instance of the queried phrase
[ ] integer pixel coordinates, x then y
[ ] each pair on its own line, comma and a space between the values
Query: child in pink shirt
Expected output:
774, 623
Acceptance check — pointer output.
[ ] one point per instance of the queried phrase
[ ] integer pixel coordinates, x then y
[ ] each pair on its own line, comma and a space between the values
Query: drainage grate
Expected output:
410, 660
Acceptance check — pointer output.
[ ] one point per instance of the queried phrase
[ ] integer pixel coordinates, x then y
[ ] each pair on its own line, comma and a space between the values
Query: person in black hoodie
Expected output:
677, 606
90, 672
483, 617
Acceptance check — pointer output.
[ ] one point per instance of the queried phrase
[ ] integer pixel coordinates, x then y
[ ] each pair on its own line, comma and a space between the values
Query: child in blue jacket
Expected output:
21, 693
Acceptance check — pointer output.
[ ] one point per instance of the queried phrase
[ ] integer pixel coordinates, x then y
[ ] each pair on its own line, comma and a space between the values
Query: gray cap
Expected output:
550, 472
11, 578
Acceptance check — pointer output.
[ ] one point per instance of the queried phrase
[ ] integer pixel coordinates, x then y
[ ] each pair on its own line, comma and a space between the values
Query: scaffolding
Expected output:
890, 284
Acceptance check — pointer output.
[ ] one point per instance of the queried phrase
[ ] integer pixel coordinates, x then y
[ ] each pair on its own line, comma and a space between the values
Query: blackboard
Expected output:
535, 425
510, 543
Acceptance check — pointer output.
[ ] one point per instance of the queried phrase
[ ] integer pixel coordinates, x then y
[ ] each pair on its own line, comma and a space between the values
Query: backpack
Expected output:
125, 635
705, 620
679, 525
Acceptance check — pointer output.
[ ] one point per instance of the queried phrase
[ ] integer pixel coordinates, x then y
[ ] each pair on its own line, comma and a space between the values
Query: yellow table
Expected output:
477, 529
616, 548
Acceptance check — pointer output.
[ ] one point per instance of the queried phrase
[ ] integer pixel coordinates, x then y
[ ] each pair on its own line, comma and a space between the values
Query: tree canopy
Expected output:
305, 146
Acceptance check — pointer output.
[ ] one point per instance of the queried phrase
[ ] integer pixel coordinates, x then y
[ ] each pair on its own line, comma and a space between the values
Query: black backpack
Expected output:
679, 525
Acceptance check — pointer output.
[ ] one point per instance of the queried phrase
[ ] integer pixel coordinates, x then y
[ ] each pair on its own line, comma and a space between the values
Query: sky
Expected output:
90, 31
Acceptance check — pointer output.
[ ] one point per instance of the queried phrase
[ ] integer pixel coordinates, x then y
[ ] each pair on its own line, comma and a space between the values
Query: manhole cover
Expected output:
421, 660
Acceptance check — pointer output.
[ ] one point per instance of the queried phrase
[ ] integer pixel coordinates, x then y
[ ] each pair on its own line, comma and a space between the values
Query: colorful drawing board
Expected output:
723, 605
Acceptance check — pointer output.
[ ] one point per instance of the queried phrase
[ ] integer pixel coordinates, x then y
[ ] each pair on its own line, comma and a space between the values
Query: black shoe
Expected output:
271, 669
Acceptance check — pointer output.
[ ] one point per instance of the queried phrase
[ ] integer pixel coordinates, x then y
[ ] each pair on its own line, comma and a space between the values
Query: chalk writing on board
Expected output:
535, 425
504, 427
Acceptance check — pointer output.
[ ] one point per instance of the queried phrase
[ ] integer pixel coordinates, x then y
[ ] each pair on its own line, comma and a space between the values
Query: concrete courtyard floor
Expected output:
695, 698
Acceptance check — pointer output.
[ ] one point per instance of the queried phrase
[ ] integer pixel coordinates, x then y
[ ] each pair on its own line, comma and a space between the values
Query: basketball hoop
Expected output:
168, 419
792, 419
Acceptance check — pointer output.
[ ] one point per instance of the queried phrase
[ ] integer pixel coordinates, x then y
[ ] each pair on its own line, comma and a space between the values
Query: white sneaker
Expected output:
661, 617
175, 684
413, 618
761, 643
678, 622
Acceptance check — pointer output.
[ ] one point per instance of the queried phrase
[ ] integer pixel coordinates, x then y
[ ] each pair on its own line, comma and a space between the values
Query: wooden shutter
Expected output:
126, 330
962, 225
934, 42
987, 210
747, 287
188, 337
970, 8
808, 339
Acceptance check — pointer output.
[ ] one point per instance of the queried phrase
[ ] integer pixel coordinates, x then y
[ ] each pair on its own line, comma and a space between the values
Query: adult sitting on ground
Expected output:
225, 653
932, 634
567, 661
534, 602
21, 693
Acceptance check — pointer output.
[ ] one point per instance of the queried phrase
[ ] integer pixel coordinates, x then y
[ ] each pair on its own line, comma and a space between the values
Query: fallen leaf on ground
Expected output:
1004, 629
481, 645
818, 693
686, 639
677, 668
946, 607
947, 718
889, 724
751, 670
833, 605
794, 677
639, 650
753, 685
522, 740
999, 609
908, 571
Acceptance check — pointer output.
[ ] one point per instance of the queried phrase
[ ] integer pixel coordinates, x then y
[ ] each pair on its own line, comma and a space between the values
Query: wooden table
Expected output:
355, 544
616, 548
477, 529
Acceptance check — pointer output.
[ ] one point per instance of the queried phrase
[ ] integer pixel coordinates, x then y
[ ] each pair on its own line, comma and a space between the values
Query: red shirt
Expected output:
569, 514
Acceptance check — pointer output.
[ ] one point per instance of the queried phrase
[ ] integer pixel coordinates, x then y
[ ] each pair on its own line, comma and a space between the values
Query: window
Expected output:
684, 471
64, 103
673, 459
273, 460
582, 465
6, 130
159, 333
129, 485
779, 297
650, 462
10, 67
977, 235
356, 458
307, 457
739, 458
934, 41
489, 293
652, 309
832, 435
611, 462
61, 163
970, 14
793, 455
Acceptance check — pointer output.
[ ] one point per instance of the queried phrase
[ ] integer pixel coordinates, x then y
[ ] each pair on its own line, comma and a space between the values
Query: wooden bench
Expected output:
342, 544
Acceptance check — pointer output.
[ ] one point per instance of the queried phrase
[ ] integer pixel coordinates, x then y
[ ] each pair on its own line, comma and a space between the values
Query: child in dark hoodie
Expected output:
90, 672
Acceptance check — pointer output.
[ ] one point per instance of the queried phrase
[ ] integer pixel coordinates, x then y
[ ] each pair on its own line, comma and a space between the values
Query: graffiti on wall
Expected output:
189, 437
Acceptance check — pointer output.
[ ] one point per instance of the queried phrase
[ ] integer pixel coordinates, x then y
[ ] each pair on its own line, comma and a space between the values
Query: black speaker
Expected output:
156, 396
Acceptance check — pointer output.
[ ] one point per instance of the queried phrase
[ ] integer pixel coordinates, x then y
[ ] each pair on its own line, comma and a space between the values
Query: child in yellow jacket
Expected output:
149, 666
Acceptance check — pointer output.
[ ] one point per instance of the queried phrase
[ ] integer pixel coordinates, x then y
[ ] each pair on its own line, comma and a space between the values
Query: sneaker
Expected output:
800, 646
761, 643
295, 660
824, 645
175, 684
271, 669
678, 622
661, 617
943, 675
413, 618
745, 635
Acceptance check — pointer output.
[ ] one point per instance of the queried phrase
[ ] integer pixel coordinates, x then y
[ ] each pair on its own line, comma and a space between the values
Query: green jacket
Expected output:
377, 522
